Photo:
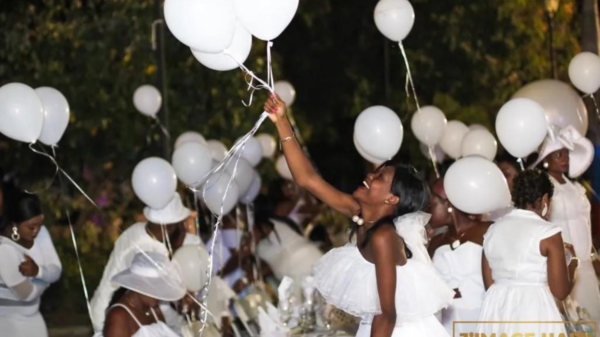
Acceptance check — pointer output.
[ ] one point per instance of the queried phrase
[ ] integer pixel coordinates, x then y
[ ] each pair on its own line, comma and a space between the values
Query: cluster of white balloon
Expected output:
29, 115
155, 180
454, 138
219, 33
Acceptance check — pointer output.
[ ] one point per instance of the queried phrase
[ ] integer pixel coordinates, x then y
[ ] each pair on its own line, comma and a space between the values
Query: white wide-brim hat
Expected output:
173, 213
581, 149
153, 275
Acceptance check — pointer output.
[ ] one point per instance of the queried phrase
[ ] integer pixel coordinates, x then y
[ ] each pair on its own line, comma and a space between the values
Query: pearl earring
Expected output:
358, 220
15, 234
545, 165
450, 210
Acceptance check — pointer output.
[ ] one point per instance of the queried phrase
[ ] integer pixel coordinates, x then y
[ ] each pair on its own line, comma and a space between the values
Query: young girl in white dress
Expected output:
524, 265
375, 279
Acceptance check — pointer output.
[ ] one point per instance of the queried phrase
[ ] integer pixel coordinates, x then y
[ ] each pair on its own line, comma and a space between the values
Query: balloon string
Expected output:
269, 84
433, 158
63, 172
49, 184
520, 161
83, 283
197, 219
409, 75
234, 150
595, 105
235, 153
161, 126
250, 216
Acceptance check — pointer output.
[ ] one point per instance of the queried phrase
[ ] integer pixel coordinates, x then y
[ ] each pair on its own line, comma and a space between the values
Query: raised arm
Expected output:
384, 245
561, 278
302, 170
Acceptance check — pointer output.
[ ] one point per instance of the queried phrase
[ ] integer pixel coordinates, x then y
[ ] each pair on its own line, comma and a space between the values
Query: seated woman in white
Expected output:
150, 279
524, 265
28, 266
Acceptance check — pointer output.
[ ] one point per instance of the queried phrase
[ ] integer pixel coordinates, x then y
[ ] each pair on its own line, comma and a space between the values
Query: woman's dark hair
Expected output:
530, 186
412, 189
507, 158
20, 206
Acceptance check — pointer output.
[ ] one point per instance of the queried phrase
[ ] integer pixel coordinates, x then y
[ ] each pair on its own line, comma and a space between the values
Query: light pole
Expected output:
551, 7
158, 32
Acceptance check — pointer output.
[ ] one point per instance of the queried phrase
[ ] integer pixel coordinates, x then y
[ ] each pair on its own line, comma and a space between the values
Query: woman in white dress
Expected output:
457, 258
524, 265
570, 153
374, 279
28, 266
151, 278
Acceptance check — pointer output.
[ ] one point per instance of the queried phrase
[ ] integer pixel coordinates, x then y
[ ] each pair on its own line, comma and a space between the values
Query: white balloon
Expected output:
476, 185
253, 151
521, 126
429, 125
477, 127
21, 113
584, 72
147, 100
268, 144
283, 169
243, 174
452, 139
237, 52
214, 193
286, 92
193, 262
394, 18
204, 25
217, 149
265, 19
379, 132
192, 162
437, 152
254, 190
479, 142
189, 137
562, 104
154, 182
366, 156
56, 115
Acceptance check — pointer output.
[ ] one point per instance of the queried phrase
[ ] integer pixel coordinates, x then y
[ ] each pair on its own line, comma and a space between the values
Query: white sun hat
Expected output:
153, 275
173, 213
581, 149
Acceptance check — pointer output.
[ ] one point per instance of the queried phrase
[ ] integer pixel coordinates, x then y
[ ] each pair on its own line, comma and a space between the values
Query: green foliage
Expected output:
467, 57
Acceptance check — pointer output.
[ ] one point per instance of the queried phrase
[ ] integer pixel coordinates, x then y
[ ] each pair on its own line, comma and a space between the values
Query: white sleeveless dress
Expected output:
460, 268
520, 292
158, 329
571, 211
348, 281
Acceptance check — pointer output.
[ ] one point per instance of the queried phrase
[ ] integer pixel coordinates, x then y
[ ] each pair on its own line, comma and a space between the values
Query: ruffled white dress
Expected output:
571, 211
348, 281
460, 268
520, 292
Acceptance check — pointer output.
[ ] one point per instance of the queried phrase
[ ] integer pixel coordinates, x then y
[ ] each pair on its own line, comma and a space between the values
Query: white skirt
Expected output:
23, 326
427, 327
586, 292
507, 304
